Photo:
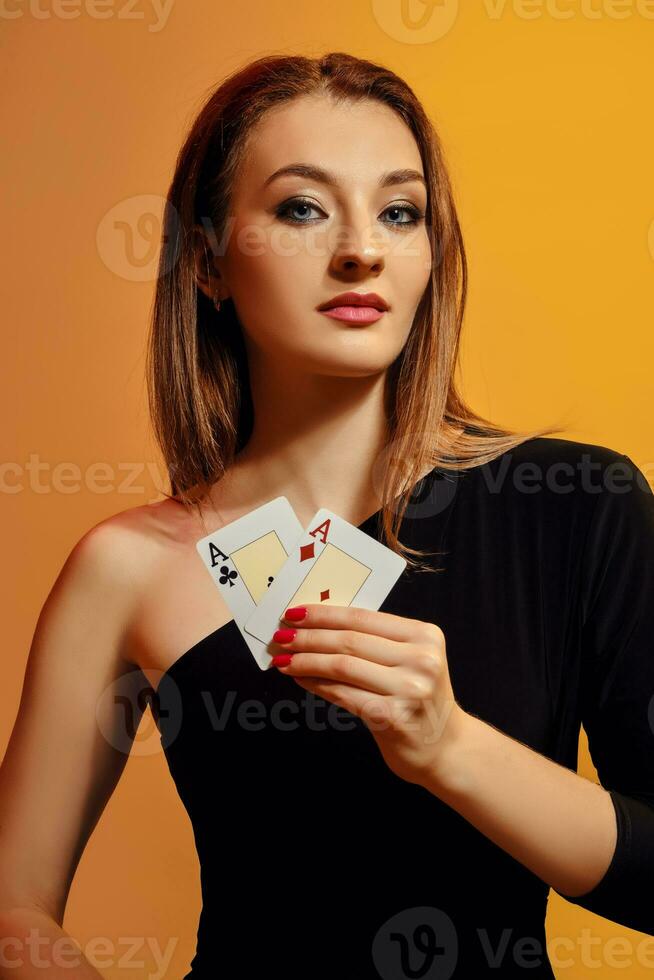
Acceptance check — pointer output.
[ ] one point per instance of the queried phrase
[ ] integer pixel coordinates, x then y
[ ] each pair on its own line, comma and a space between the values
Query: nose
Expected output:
358, 246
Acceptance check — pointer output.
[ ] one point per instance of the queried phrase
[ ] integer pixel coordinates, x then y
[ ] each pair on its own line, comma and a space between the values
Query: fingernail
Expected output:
295, 612
283, 636
282, 660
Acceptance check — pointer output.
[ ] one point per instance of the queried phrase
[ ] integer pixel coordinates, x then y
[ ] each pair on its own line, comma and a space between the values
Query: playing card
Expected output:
334, 563
244, 556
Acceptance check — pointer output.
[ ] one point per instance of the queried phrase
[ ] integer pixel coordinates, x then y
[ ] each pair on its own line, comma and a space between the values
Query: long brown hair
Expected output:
197, 372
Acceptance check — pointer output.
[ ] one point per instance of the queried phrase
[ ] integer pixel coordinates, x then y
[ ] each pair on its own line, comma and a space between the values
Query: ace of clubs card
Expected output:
243, 558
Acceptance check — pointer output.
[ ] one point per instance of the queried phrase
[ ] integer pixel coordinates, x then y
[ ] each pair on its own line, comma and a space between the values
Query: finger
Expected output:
365, 705
372, 621
376, 649
363, 674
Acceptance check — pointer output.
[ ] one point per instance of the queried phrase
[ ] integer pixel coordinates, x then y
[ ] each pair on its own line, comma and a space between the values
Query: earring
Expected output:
216, 302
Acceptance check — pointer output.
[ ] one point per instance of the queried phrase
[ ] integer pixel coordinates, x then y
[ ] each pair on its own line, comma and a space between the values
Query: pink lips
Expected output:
354, 314
355, 307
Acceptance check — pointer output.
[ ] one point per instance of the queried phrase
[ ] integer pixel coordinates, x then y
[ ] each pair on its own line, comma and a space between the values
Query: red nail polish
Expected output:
282, 660
295, 612
283, 636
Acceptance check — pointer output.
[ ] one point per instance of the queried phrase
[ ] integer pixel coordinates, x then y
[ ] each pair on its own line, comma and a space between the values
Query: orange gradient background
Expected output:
545, 114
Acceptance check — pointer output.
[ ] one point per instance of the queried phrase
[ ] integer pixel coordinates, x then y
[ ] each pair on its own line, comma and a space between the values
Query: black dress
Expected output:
316, 860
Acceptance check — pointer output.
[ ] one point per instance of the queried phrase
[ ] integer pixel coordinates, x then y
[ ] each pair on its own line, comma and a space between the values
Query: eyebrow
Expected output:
393, 177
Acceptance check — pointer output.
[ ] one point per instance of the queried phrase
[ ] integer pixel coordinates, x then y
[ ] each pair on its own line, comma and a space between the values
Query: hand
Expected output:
388, 670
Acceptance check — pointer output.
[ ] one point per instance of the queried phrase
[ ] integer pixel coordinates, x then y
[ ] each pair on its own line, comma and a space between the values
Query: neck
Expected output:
318, 440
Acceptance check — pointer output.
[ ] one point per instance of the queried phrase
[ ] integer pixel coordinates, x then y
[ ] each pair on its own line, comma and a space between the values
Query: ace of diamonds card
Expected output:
333, 562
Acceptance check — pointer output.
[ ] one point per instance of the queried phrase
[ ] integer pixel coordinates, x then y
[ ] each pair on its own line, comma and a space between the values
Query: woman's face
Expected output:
296, 241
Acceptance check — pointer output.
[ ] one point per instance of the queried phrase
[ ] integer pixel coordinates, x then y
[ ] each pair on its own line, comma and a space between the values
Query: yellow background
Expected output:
545, 114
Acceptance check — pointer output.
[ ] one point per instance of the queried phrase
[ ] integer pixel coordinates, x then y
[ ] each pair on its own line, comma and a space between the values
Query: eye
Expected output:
415, 214
284, 211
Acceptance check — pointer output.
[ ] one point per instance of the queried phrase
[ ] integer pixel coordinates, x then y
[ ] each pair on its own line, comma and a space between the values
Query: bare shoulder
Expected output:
120, 557
143, 530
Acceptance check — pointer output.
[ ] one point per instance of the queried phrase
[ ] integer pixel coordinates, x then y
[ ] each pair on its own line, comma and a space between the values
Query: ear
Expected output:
207, 274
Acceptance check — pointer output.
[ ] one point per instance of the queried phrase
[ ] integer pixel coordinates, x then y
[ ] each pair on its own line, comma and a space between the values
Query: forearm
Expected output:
558, 824
33, 945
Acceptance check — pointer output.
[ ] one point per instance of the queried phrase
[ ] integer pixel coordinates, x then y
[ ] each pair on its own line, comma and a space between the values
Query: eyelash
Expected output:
282, 212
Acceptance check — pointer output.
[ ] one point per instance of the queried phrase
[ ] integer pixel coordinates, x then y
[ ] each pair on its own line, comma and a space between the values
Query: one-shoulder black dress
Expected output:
316, 860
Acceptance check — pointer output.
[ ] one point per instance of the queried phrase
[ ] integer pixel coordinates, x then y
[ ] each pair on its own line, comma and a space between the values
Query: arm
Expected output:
60, 768
558, 824
593, 844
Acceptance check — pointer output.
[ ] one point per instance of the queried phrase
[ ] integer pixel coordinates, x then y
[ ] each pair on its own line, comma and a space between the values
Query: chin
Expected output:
355, 366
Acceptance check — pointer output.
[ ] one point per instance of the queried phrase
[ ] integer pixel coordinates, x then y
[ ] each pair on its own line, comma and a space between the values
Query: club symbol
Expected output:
227, 576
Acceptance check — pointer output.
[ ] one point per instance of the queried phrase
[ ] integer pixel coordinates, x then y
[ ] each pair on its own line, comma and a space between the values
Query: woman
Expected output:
408, 793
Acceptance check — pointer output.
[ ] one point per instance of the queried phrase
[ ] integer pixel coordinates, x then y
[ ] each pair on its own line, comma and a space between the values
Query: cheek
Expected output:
274, 273
274, 299
411, 259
